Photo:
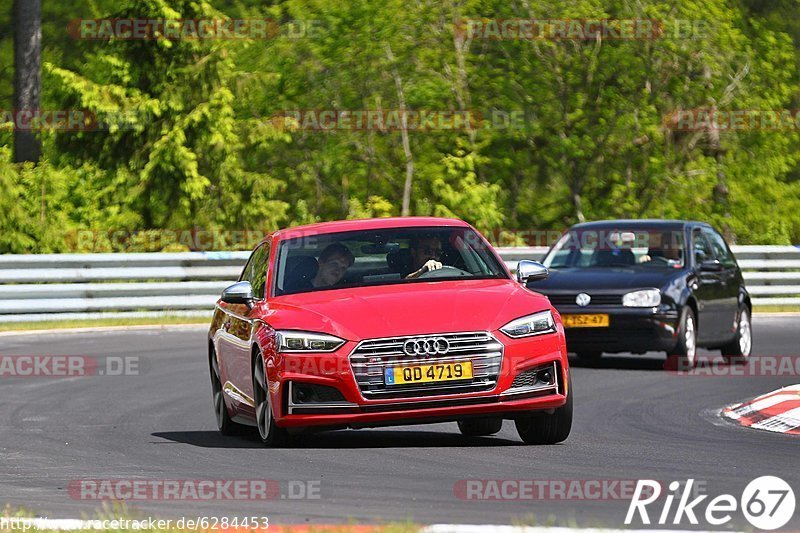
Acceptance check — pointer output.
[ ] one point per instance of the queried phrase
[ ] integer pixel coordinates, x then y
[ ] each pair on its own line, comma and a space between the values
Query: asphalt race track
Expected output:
632, 420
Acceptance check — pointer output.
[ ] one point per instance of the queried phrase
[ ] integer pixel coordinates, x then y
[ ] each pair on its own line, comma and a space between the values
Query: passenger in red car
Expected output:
334, 261
426, 251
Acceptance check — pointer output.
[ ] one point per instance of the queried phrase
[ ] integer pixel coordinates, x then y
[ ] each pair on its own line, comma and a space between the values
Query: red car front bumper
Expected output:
504, 400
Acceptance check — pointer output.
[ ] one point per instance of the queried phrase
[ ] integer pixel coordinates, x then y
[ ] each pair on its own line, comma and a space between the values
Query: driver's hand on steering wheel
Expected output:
430, 264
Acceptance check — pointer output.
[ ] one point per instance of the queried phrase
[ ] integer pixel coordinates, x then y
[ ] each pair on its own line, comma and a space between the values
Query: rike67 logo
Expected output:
768, 502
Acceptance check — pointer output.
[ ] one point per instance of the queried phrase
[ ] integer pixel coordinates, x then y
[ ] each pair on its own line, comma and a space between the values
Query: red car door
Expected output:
242, 323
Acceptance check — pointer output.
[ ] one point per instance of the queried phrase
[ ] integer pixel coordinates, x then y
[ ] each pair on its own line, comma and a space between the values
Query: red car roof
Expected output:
366, 224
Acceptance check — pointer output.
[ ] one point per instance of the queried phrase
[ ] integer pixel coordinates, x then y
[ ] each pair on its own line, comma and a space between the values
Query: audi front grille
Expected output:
371, 358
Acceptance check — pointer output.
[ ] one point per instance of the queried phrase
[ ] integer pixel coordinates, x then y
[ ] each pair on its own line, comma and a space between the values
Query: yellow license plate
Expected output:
400, 375
585, 321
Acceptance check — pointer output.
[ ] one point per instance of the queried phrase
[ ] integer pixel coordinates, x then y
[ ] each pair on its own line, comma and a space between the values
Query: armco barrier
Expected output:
76, 286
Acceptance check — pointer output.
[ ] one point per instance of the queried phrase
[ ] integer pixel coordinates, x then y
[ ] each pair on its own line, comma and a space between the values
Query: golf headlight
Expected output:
536, 324
645, 298
305, 341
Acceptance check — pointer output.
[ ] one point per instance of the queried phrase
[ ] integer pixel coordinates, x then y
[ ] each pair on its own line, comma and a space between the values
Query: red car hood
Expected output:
406, 309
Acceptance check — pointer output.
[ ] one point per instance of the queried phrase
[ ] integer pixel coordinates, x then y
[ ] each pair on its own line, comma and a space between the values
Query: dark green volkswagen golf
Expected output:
648, 285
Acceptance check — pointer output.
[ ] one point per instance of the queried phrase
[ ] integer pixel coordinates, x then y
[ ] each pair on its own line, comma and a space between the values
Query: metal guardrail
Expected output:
79, 286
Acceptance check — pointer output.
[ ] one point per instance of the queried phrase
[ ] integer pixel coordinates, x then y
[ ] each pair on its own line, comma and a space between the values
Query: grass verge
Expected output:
102, 322
776, 309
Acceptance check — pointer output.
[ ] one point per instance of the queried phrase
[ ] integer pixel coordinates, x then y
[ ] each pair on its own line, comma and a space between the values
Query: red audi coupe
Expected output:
391, 321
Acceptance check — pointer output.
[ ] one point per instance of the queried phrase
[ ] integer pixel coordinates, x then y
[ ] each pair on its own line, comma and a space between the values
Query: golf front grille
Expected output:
370, 359
596, 299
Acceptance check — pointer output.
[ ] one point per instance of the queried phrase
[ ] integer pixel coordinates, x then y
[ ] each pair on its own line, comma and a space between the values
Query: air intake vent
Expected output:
541, 378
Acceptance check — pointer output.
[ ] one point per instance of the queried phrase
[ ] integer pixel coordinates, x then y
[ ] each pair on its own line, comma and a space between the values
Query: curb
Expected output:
777, 411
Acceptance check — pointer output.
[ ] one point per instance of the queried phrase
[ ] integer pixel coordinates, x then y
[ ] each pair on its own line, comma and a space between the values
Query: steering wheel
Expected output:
446, 271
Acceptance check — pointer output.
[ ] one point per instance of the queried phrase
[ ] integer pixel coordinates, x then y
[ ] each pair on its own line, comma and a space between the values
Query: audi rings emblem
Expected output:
429, 346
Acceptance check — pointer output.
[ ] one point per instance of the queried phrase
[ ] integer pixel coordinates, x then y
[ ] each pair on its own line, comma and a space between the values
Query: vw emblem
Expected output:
583, 299
429, 346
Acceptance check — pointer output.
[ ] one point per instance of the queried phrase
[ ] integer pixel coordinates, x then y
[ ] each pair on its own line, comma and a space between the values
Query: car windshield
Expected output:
618, 247
381, 257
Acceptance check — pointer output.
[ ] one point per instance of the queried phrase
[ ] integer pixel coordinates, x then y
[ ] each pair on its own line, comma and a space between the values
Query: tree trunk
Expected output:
461, 84
720, 192
577, 203
401, 101
345, 196
27, 74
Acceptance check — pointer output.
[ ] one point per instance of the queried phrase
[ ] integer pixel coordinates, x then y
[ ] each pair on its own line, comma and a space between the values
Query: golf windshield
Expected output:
617, 248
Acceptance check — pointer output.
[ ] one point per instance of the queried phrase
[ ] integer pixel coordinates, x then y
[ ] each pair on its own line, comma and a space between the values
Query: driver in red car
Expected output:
426, 251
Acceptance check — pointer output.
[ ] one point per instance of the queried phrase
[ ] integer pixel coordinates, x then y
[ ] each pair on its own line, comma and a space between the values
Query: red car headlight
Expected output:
307, 341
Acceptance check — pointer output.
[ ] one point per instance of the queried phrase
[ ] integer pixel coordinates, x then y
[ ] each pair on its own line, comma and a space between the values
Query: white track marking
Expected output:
781, 423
